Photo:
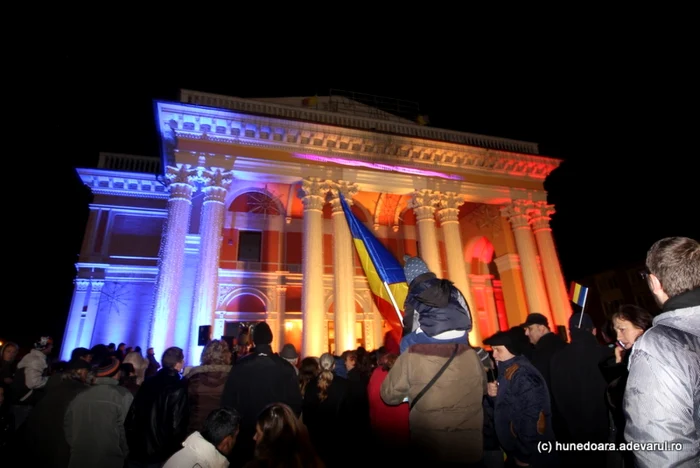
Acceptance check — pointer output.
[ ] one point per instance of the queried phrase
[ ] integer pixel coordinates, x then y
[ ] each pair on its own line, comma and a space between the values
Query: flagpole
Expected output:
393, 301
583, 308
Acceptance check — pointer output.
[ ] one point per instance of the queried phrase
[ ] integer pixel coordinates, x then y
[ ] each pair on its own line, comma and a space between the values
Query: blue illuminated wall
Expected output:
123, 314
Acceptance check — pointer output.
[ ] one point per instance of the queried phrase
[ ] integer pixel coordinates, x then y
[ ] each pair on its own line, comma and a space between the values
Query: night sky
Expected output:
627, 180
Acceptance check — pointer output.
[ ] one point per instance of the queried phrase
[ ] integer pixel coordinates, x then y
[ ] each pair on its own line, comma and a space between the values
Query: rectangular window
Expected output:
249, 246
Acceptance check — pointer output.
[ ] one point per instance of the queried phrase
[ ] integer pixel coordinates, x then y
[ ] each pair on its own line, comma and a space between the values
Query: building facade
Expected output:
240, 221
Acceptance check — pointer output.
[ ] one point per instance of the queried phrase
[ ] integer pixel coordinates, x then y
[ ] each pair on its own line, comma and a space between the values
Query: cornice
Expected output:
393, 126
129, 184
229, 127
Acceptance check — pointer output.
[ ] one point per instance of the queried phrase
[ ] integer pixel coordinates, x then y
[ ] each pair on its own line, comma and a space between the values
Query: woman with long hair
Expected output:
327, 412
281, 441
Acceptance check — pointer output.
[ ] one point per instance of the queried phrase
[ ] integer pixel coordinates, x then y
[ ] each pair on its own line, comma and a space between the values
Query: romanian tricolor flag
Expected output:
578, 294
383, 272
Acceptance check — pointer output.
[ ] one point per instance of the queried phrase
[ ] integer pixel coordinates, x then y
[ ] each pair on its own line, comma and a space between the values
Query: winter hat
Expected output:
77, 364
262, 335
289, 352
413, 268
507, 339
108, 368
43, 343
586, 322
535, 319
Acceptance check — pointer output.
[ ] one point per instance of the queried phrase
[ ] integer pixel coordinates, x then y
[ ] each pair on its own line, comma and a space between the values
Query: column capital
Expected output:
518, 213
81, 284
449, 207
181, 181
423, 203
313, 193
281, 290
540, 215
347, 189
507, 262
96, 286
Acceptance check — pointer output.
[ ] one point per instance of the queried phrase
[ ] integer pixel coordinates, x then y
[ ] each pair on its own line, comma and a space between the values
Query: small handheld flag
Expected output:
578, 295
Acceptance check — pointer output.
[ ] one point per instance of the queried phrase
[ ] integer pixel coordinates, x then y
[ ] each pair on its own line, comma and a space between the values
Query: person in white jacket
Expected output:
209, 447
34, 367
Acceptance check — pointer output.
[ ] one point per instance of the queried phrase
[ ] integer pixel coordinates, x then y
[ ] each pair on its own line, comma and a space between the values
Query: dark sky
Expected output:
623, 121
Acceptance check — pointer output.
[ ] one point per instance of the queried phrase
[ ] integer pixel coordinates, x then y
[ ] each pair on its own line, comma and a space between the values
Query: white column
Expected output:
171, 259
71, 337
206, 287
456, 268
556, 288
313, 196
281, 312
423, 203
344, 268
518, 213
90, 315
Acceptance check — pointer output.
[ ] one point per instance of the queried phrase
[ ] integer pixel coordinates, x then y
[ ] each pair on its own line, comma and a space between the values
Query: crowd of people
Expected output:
434, 400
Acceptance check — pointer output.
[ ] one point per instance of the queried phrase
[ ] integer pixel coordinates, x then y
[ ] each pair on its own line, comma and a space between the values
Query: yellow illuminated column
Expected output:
518, 213
281, 312
556, 288
206, 283
344, 268
423, 203
171, 259
456, 269
313, 197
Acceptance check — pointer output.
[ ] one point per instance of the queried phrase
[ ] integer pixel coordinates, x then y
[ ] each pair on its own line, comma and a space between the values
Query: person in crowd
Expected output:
308, 371
139, 362
205, 383
328, 413
281, 440
578, 388
435, 310
94, 420
255, 381
156, 424
289, 354
209, 447
32, 373
389, 423
519, 405
440, 375
662, 398
50, 412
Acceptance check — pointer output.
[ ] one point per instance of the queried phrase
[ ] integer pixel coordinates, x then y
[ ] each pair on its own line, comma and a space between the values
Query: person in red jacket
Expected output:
389, 423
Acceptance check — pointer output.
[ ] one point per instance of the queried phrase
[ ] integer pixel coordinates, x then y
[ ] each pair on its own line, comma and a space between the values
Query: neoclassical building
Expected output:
240, 221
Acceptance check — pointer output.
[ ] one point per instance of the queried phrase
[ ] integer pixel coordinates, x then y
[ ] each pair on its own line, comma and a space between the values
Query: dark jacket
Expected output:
256, 381
205, 385
578, 389
438, 304
522, 413
44, 426
156, 424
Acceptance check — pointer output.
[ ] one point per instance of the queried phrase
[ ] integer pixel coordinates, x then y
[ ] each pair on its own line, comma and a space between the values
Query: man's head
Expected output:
221, 429
673, 266
585, 322
262, 334
289, 353
536, 326
505, 345
173, 358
